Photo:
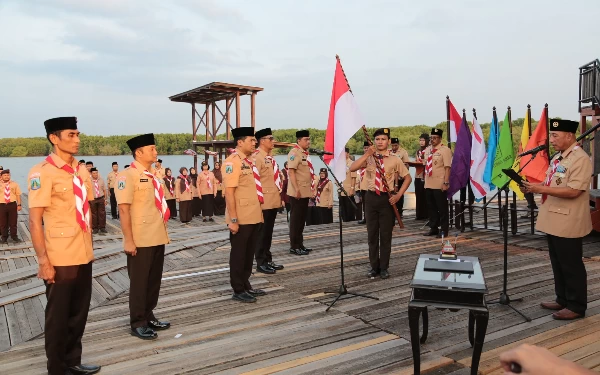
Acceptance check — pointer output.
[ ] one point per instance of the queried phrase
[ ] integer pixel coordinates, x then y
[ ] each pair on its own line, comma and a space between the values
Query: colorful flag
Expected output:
455, 121
536, 170
190, 152
478, 163
505, 154
491, 155
344, 121
461, 160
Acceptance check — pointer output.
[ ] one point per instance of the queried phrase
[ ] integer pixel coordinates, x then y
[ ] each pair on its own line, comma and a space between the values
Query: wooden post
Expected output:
214, 127
227, 124
252, 112
547, 131
194, 132
237, 109
207, 120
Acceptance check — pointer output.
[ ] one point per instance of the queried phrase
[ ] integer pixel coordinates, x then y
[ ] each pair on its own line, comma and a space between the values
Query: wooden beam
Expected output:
207, 120
228, 125
237, 110
252, 111
194, 129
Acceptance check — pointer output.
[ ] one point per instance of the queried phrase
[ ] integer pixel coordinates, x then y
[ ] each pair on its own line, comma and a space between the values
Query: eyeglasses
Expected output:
268, 138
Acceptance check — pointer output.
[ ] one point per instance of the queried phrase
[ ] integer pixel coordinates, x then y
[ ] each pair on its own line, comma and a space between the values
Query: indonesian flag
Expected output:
455, 120
478, 162
344, 121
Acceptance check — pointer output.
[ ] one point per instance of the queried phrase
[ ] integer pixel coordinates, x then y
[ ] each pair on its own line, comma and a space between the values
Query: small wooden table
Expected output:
447, 290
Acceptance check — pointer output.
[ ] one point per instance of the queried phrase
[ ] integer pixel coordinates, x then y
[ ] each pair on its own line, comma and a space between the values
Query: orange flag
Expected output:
536, 170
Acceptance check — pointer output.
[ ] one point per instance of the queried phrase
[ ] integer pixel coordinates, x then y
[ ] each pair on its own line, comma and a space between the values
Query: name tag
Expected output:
143, 180
244, 166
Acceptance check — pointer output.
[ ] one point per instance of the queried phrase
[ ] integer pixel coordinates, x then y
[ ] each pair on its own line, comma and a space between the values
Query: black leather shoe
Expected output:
384, 274
363, 221
4, 240
442, 233
276, 267
256, 292
298, 252
307, 249
265, 269
103, 230
144, 333
158, 325
84, 369
243, 297
372, 273
432, 232
211, 219
95, 231
16, 239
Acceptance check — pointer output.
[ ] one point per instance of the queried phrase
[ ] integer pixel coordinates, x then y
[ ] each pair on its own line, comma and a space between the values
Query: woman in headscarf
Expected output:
312, 216
324, 198
183, 194
207, 189
169, 182
219, 199
196, 202
421, 200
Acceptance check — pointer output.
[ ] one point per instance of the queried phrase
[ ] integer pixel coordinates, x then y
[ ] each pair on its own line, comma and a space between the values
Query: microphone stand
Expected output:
342, 290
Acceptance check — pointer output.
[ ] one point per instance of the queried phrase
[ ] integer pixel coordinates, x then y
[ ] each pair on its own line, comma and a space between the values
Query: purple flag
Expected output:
461, 161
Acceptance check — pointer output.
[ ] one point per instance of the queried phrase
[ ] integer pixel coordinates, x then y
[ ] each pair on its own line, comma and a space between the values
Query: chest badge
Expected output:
559, 181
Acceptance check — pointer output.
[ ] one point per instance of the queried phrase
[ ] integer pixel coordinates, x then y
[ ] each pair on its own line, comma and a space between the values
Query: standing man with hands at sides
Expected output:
379, 211
437, 161
348, 212
59, 221
243, 214
144, 213
159, 171
111, 182
98, 204
271, 183
400, 152
301, 187
565, 218
10, 205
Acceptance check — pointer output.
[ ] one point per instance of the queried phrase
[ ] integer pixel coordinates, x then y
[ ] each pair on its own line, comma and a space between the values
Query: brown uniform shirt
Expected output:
419, 159
51, 188
350, 182
562, 217
362, 181
297, 160
393, 167
101, 188
15, 191
160, 173
203, 186
186, 195
326, 197
168, 195
111, 179
441, 159
402, 154
271, 194
194, 189
238, 174
136, 189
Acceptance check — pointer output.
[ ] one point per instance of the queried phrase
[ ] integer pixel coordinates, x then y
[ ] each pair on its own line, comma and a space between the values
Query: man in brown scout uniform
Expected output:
159, 171
243, 215
403, 155
362, 185
565, 217
59, 191
271, 183
144, 213
89, 165
10, 204
437, 161
98, 204
301, 187
111, 182
379, 212
347, 209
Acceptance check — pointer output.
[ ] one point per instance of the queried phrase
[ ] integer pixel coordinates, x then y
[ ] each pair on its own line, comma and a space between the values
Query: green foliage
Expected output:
19, 151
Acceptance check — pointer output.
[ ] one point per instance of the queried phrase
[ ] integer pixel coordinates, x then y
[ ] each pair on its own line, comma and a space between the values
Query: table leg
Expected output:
481, 322
471, 328
413, 323
425, 325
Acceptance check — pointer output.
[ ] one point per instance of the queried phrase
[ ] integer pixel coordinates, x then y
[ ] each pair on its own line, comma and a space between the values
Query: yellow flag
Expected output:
516, 165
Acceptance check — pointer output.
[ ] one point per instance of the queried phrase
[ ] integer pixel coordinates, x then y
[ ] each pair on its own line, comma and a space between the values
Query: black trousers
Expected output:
196, 206
299, 210
421, 199
380, 223
325, 215
219, 203
185, 211
114, 208
145, 274
241, 257
66, 315
98, 209
208, 205
570, 277
172, 204
438, 209
265, 237
8, 219
347, 210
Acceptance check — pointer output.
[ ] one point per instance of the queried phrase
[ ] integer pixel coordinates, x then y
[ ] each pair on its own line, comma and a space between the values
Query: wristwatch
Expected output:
446, 183
234, 221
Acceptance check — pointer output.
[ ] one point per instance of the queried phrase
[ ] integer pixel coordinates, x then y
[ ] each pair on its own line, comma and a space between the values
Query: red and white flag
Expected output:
478, 162
344, 121
455, 120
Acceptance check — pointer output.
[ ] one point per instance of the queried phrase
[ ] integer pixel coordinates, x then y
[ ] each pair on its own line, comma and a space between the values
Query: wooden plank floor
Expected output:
288, 331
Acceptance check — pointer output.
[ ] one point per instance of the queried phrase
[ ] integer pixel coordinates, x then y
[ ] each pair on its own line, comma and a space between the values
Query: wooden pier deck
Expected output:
288, 331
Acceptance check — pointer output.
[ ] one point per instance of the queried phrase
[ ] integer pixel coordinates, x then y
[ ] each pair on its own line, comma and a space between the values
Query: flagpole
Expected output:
529, 119
513, 206
448, 121
377, 163
547, 131
497, 128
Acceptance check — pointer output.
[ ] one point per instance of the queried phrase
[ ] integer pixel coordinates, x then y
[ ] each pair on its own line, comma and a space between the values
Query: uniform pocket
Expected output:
62, 232
63, 188
559, 210
143, 220
243, 202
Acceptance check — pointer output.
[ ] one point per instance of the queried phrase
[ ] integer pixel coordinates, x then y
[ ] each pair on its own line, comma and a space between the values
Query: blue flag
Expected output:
492, 144
461, 160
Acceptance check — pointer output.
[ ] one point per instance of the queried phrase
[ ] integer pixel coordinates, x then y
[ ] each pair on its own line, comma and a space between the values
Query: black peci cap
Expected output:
436, 131
558, 125
60, 123
141, 141
263, 133
246, 131
302, 134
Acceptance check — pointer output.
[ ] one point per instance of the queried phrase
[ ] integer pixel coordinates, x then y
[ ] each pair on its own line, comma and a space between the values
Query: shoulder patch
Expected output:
121, 182
292, 157
229, 169
35, 182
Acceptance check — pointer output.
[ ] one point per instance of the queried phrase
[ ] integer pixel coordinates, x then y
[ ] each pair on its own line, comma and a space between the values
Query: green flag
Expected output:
505, 154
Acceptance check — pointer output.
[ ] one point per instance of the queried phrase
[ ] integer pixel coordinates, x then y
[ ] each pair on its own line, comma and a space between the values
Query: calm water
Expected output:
19, 167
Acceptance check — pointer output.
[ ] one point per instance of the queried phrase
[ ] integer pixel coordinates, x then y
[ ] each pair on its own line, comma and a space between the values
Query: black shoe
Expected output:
307, 249
265, 268
363, 221
384, 274
103, 230
204, 220
441, 234
95, 231
4, 240
144, 333
372, 273
276, 267
158, 325
84, 369
211, 219
243, 297
16, 239
298, 252
256, 292
432, 232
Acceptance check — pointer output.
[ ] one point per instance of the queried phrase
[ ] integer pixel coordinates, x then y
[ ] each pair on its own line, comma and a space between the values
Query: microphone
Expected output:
319, 152
533, 150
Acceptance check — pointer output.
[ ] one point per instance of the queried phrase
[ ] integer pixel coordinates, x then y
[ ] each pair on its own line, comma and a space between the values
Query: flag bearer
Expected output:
437, 161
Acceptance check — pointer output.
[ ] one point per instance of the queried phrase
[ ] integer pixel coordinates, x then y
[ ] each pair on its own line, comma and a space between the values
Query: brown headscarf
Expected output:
217, 173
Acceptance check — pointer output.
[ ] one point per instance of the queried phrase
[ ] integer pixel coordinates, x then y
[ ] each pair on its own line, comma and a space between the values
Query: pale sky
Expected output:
114, 63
